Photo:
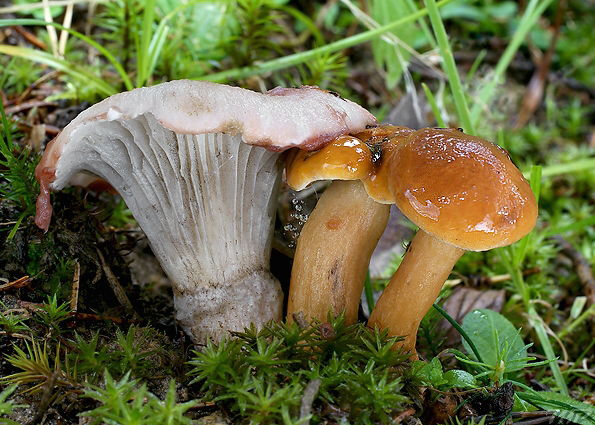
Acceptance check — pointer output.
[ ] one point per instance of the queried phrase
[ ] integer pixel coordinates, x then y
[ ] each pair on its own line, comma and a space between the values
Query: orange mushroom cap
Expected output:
461, 189
363, 156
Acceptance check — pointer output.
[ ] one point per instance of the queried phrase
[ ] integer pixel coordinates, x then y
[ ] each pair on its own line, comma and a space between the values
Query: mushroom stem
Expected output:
414, 287
333, 252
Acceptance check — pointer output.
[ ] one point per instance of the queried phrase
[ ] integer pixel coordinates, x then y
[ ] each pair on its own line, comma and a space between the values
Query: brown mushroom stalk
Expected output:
198, 165
334, 250
337, 241
412, 289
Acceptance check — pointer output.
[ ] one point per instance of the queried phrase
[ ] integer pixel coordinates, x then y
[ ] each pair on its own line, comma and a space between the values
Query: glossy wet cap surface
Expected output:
461, 189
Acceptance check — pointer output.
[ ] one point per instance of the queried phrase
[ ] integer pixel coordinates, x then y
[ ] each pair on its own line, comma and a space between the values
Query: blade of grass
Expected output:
422, 23
156, 47
61, 65
369, 292
5, 126
580, 319
434, 106
16, 8
450, 67
143, 44
570, 167
302, 57
506, 256
478, 60
460, 330
521, 246
113, 61
576, 226
512, 257
534, 10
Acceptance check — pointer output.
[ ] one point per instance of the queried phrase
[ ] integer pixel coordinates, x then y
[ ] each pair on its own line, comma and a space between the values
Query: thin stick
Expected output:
116, 287
74, 299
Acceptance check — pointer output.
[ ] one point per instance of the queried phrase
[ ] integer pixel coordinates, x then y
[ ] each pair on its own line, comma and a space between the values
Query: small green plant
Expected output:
499, 349
17, 174
256, 23
264, 373
51, 314
127, 402
7, 407
133, 352
90, 359
38, 368
11, 321
19, 74
432, 374
561, 406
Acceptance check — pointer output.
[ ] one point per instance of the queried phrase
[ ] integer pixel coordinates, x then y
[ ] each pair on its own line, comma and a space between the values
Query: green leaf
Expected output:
492, 334
430, 373
459, 379
562, 406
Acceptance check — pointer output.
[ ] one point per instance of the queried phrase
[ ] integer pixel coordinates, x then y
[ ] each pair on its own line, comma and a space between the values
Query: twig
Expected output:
403, 415
36, 83
64, 34
116, 287
45, 398
29, 105
92, 317
19, 283
308, 398
47, 16
74, 298
31, 38
16, 335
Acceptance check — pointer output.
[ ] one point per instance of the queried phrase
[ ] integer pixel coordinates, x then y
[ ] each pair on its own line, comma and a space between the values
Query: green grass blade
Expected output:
478, 60
369, 292
576, 226
61, 65
534, 10
460, 330
302, 57
450, 67
506, 256
5, 125
570, 167
113, 61
535, 320
143, 53
521, 246
434, 106
422, 23
156, 47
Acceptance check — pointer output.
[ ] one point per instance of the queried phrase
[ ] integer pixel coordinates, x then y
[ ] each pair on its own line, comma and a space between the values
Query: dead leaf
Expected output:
463, 300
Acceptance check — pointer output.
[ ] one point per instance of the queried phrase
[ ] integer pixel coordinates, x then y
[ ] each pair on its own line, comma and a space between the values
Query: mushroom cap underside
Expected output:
307, 117
461, 189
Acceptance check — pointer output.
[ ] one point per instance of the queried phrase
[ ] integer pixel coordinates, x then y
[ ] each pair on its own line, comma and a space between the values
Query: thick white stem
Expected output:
207, 205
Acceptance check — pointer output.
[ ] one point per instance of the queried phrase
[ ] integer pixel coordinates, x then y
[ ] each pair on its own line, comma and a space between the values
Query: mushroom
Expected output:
335, 245
463, 193
198, 165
